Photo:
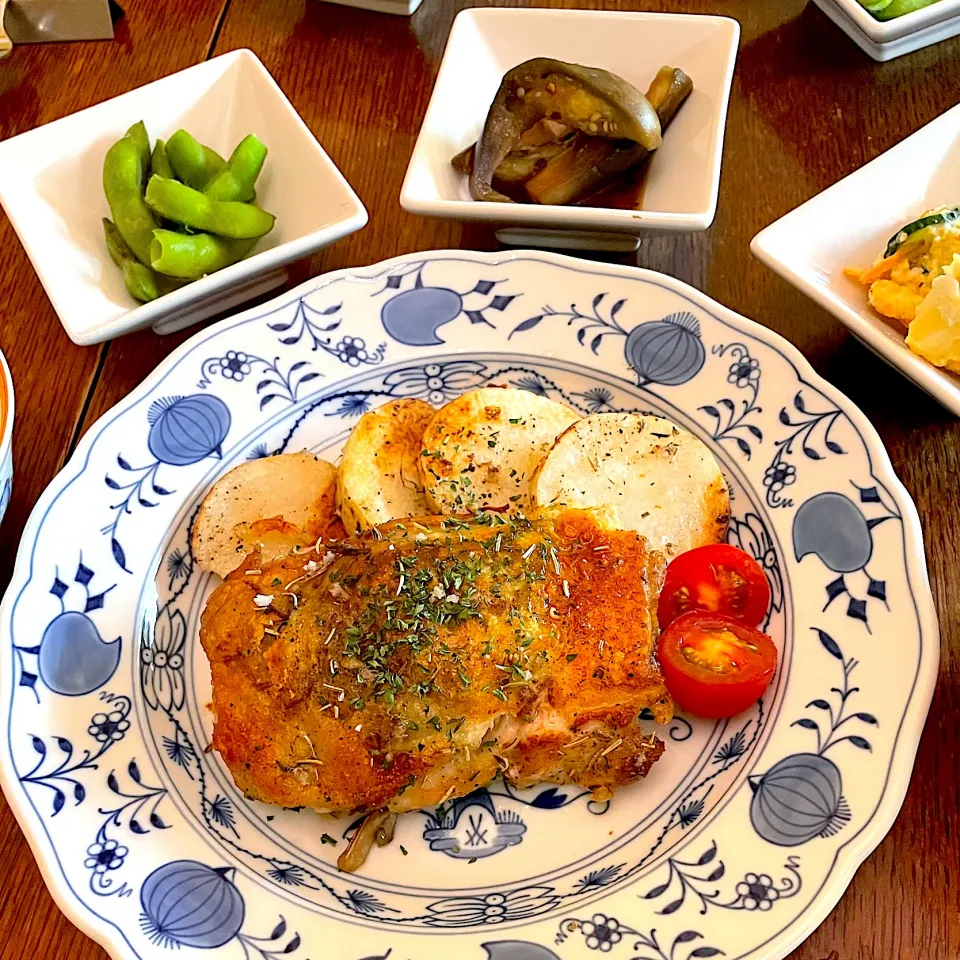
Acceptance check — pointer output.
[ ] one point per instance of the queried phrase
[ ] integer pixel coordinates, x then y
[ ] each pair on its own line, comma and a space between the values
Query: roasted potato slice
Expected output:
480, 450
378, 478
274, 503
663, 481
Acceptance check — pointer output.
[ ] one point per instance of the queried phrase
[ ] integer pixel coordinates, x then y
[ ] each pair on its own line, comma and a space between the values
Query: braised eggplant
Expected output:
587, 166
559, 132
591, 101
595, 162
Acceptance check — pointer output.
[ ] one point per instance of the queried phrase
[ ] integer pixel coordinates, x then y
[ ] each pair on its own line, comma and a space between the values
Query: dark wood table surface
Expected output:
807, 108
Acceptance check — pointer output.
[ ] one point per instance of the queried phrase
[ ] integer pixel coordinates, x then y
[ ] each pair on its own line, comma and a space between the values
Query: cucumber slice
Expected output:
897, 8
944, 215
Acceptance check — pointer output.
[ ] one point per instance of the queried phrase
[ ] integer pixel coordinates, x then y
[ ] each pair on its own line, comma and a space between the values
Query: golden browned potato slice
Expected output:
480, 450
273, 503
378, 478
663, 481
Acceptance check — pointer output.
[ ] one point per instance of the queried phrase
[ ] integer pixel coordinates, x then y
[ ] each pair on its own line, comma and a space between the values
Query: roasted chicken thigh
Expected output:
415, 662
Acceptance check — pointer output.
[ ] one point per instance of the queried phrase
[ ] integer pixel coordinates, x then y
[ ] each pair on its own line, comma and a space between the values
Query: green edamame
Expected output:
123, 176
179, 211
192, 162
140, 281
190, 256
236, 180
138, 134
160, 162
178, 202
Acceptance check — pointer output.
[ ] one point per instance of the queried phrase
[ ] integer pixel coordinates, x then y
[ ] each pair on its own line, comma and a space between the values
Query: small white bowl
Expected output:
51, 189
6, 435
849, 224
684, 176
887, 39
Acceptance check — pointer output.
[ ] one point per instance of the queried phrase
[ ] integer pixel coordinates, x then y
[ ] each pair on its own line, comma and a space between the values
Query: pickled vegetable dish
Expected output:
560, 133
179, 211
916, 281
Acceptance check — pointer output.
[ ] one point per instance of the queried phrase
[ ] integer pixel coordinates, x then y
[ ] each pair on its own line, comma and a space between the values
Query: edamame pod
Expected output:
138, 134
160, 162
189, 256
123, 176
140, 281
236, 180
192, 162
178, 202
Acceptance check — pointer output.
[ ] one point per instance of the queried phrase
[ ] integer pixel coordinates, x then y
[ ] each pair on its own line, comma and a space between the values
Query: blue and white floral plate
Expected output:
738, 843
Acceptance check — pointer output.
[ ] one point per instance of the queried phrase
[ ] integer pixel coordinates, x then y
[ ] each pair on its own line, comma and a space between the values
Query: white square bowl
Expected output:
848, 224
684, 175
50, 188
887, 39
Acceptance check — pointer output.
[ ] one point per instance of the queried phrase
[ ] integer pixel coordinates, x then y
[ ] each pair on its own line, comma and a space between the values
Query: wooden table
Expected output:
807, 108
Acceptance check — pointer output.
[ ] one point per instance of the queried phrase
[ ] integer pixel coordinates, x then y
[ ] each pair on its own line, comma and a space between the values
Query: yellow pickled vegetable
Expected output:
934, 333
899, 281
894, 300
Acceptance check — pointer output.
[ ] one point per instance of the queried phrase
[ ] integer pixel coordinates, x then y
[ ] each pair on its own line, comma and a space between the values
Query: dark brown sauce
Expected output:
626, 193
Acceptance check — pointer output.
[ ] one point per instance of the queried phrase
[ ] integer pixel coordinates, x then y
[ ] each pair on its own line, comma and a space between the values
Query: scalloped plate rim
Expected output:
849, 856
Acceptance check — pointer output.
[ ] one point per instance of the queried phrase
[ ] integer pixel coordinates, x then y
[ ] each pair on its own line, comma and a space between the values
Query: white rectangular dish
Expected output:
683, 179
885, 40
848, 224
51, 189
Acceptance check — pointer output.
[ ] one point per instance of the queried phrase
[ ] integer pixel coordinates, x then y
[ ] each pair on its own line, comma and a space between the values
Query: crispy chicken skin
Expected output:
414, 663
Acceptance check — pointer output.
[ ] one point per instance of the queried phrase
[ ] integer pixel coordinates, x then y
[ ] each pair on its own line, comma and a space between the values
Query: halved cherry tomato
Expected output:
715, 666
717, 578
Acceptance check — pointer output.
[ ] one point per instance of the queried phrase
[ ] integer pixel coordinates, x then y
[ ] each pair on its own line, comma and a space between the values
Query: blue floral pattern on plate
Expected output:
753, 818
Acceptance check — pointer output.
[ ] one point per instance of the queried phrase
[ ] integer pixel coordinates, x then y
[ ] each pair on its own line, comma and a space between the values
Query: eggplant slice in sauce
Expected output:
593, 163
558, 132
543, 142
592, 101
